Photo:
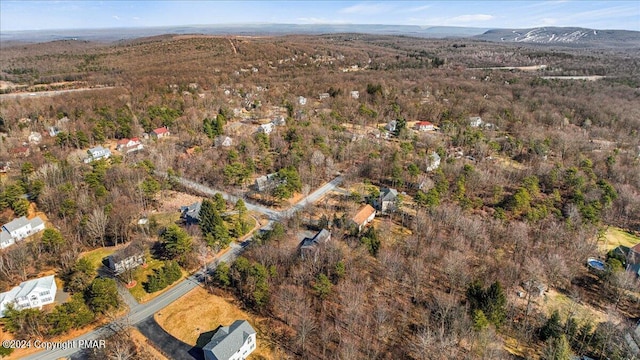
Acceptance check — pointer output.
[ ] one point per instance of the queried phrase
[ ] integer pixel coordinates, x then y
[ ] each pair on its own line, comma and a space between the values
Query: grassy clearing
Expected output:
95, 256
140, 275
200, 312
616, 237
165, 219
567, 306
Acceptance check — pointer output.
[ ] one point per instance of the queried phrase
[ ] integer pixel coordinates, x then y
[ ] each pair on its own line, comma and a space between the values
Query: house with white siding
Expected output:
19, 229
30, 294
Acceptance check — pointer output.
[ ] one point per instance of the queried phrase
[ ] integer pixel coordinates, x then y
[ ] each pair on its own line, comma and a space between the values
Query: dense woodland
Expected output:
525, 204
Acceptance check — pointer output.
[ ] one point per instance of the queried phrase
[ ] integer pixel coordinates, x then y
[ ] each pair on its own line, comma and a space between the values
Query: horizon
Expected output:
24, 16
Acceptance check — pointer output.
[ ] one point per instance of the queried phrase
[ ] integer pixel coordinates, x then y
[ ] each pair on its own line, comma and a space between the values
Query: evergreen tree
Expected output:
103, 295
552, 329
176, 243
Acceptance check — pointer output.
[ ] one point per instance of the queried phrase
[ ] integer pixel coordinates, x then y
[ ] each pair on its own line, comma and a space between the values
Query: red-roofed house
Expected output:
424, 126
129, 145
159, 133
21, 151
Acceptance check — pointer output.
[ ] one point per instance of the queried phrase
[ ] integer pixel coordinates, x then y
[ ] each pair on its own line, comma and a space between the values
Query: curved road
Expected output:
140, 312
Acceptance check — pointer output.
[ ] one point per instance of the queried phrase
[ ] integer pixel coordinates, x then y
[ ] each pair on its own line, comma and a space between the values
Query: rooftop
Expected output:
229, 339
363, 214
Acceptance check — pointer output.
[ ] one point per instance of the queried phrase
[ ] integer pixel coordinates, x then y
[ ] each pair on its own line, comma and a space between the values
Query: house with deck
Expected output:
97, 153
30, 294
129, 145
127, 258
19, 229
233, 342
386, 202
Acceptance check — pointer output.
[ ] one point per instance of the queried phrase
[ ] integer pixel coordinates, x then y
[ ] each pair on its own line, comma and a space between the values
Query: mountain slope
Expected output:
567, 36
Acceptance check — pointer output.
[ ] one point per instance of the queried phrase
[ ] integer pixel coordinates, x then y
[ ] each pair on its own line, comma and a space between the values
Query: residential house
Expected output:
302, 100
127, 258
266, 128
30, 294
475, 121
223, 141
424, 126
391, 126
309, 247
433, 161
97, 153
365, 215
387, 200
191, 214
279, 121
21, 151
160, 133
129, 145
233, 342
53, 131
35, 137
19, 229
323, 96
266, 182
355, 94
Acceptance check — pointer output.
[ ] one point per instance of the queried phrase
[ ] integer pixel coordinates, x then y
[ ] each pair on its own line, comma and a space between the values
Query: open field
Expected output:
199, 312
617, 237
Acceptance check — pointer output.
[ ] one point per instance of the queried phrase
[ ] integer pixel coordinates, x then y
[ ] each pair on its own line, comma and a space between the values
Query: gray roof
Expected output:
192, 212
320, 238
16, 224
229, 339
135, 248
387, 194
5, 237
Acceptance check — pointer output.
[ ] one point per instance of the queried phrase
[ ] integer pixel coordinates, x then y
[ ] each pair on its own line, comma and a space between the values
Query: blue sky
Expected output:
42, 15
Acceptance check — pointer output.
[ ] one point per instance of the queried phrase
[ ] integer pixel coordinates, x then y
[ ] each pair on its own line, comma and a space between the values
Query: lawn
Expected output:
140, 275
95, 256
198, 312
616, 237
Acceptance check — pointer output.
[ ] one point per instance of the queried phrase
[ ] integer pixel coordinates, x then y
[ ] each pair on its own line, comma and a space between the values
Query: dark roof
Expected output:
192, 212
320, 238
135, 248
229, 339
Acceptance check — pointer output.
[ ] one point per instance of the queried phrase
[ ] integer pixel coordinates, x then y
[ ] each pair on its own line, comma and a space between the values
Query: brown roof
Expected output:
636, 248
363, 214
161, 130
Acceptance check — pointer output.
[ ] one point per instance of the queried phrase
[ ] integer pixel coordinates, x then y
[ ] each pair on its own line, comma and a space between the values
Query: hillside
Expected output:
565, 36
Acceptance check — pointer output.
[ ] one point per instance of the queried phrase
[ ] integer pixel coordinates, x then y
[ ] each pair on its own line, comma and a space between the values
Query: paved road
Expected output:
138, 313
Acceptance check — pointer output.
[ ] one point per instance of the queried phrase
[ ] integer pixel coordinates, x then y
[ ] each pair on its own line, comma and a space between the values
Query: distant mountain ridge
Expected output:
562, 36
568, 36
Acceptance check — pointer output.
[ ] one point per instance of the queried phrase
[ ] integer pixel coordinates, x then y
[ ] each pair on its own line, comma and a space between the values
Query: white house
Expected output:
35, 137
391, 126
355, 94
266, 128
223, 141
424, 126
97, 153
160, 133
233, 342
302, 100
18, 229
433, 161
129, 145
365, 215
323, 96
475, 121
30, 294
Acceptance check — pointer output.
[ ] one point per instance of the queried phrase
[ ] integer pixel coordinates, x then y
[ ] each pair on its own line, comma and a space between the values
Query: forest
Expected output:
482, 255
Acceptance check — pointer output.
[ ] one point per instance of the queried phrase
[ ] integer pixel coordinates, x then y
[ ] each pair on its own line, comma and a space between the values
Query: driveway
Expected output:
167, 344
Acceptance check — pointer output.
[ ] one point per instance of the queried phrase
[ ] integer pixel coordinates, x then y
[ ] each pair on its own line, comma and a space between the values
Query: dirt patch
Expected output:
199, 312
143, 344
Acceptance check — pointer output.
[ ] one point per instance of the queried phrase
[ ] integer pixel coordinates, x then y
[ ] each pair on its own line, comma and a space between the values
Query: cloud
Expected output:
366, 9
135, 18
472, 18
414, 9
116, 17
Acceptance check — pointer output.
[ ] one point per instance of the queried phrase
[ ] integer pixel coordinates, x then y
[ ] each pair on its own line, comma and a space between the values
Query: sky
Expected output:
78, 14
